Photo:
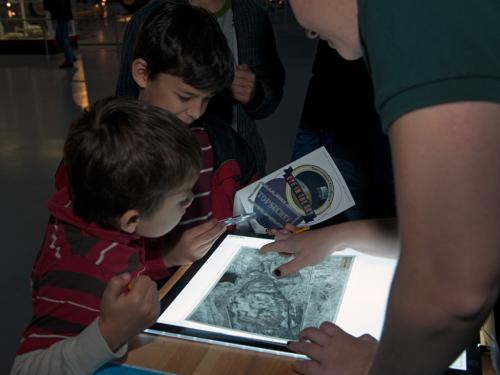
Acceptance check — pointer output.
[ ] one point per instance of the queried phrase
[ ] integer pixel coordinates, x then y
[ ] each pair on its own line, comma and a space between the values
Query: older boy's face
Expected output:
336, 21
172, 94
173, 207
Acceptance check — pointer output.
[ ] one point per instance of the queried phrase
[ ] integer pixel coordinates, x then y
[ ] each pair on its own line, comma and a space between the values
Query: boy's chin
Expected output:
154, 234
186, 121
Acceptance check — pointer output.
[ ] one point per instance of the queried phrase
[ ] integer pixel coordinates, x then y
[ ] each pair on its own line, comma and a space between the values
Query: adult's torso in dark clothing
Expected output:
420, 54
340, 99
339, 113
60, 10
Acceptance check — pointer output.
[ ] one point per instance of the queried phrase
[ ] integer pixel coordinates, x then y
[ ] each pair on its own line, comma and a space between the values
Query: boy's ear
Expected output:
140, 73
129, 220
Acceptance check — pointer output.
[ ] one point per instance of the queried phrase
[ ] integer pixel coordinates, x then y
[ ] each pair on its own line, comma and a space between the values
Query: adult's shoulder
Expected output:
420, 53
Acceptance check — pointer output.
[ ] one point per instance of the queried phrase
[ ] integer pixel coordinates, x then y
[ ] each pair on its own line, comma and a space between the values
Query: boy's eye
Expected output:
186, 201
183, 98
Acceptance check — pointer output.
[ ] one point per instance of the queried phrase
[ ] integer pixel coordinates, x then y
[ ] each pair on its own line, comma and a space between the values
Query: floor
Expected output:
38, 100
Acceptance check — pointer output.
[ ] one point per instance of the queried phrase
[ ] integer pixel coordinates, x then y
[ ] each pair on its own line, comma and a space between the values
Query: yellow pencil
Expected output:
302, 229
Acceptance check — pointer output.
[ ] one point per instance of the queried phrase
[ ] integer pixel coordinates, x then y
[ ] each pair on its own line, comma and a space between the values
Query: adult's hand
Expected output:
333, 351
307, 248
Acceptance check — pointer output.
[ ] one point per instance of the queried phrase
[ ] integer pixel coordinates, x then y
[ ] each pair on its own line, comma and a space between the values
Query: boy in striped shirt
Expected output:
131, 168
181, 60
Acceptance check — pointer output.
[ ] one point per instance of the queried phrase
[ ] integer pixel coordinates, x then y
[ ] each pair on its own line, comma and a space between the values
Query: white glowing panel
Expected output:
361, 299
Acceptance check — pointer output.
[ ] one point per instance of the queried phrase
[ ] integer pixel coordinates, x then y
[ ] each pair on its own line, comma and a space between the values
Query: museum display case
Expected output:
25, 27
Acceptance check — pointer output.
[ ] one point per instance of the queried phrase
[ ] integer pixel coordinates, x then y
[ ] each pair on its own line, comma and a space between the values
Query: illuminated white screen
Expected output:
362, 308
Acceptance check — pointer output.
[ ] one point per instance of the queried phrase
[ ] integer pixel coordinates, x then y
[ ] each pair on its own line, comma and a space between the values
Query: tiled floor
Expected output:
37, 101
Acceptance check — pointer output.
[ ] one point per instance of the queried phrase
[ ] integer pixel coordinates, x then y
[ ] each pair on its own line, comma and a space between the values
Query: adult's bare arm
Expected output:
448, 191
374, 236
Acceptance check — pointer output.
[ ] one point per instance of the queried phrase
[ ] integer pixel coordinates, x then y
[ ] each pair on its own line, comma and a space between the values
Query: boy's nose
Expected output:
197, 109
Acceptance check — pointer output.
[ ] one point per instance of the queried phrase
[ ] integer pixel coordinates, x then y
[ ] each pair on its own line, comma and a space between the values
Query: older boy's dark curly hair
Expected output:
124, 154
186, 41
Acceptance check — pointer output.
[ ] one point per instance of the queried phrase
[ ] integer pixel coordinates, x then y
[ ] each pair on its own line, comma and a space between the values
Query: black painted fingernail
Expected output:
277, 272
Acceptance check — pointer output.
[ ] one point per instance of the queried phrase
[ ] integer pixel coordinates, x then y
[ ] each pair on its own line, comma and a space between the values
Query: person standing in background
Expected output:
339, 114
60, 12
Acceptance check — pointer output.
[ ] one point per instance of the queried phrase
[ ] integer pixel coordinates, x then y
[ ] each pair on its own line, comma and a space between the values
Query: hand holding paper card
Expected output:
306, 191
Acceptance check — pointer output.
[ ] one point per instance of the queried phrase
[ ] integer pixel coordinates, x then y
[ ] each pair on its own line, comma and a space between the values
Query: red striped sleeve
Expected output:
66, 300
200, 209
69, 278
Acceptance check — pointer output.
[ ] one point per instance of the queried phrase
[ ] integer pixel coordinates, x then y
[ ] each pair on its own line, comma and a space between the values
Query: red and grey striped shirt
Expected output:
200, 210
78, 259
72, 268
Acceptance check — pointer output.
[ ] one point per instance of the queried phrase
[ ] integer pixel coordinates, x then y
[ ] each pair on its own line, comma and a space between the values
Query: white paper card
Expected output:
304, 192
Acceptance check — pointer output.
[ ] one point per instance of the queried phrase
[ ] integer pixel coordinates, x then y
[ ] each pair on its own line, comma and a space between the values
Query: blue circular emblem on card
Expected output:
301, 195
315, 184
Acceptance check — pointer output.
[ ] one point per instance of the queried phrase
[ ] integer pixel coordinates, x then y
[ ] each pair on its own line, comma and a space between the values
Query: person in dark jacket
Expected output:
60, 12
259, 78
339, 114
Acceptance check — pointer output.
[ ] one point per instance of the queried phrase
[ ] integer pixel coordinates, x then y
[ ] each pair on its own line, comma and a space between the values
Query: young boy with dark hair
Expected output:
131, 168
185, 41
181, 60
257, 87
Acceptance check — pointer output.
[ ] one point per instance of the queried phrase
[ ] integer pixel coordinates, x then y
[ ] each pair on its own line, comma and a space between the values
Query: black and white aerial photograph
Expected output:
249, 298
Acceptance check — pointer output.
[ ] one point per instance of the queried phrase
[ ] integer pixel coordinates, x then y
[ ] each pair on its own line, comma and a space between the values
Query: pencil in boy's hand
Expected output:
238, 219
302, 229
129, 286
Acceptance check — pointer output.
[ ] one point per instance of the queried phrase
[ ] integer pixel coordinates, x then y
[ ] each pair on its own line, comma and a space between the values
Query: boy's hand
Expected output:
308, 248
126, 315
243, 86
333, 351
193, 243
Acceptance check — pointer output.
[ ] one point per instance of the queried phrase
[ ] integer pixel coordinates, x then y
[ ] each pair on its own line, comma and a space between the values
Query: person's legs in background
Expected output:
353, 173
339, 113
308, 140
62, 37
